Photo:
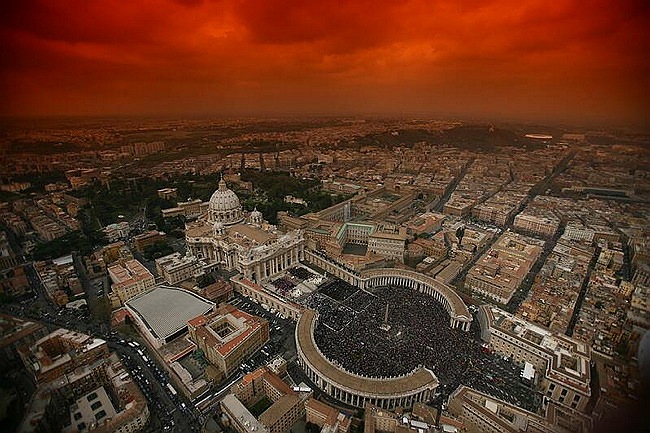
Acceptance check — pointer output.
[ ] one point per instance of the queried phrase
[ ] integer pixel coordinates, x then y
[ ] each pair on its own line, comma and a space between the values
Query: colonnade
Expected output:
414, 284
415, 389
358, 399
259, 270
460, 317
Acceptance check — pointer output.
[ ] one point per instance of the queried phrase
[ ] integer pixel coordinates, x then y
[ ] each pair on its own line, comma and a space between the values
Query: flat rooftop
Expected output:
166, 310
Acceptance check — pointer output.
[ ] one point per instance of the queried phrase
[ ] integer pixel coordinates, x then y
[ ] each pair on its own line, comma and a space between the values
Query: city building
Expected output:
639, 312
227, 336
283, 413
162, 313
59, 278
420, 420
129, 279
16, 333
563, 363
115, 232
239, 417
175, 269
14, 282
188, 209
98, 396
500, 271
288, 404
217, 292
482, 413
148, 239
167, 193
7, 257
388, 243
328, 418
61, 352
539, 225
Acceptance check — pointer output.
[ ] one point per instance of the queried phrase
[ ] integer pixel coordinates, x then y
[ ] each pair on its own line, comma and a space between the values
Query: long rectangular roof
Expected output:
166, 310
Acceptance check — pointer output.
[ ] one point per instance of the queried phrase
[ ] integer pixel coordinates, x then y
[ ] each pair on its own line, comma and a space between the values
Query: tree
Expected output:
157, 250
205, 280
460, 232
311, 427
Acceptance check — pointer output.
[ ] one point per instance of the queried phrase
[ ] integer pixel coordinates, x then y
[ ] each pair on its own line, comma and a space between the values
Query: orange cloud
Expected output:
560, 60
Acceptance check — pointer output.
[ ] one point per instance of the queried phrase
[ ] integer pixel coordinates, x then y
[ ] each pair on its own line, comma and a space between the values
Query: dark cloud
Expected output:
505, 55
74, 21
338, 25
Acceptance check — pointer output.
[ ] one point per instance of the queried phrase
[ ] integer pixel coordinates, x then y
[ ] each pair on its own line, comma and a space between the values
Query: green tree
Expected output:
460, 232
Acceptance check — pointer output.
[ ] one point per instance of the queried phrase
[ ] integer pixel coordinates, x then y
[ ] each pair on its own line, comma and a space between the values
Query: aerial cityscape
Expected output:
279, 217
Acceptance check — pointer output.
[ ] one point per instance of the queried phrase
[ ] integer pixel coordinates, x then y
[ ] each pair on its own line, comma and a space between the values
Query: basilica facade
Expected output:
234, 240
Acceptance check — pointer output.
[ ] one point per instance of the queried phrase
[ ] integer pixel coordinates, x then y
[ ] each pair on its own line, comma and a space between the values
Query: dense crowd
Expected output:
337, 289
351, 335
300, 273
283, 284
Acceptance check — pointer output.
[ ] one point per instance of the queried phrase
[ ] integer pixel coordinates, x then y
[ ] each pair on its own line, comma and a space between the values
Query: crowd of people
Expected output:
283, 284
300, 273
337, 289
352, 333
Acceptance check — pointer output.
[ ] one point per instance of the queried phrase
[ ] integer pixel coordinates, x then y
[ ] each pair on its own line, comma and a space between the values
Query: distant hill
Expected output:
471, 137
399, 137
478, 137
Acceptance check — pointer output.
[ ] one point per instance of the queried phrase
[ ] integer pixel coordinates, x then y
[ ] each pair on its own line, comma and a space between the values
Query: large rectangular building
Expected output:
287, 408
389, 244
162, 313
241, 420
60, 352
129, 279
148, 239
500, 271
16, 333
175, 268
482, 413
563, 361
228, 335
541, 225
328, 418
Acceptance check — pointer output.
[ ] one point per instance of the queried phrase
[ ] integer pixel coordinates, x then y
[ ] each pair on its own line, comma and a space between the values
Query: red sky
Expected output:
562, 60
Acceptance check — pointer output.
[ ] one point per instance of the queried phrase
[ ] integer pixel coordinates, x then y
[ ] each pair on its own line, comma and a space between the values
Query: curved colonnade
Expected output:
459, 315
356, 390
353, 389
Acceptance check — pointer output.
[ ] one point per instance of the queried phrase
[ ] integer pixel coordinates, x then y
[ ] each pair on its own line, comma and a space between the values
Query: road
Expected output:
452, 187
539, 188
170, 414
582, 293
164, 407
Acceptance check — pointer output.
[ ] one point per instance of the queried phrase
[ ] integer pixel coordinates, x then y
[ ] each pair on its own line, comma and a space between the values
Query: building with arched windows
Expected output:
234, 240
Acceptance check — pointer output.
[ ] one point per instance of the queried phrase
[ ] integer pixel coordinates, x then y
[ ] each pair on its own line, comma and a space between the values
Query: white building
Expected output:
117, 231
175, 268
129, 279
563, 362
226, 237
576, 232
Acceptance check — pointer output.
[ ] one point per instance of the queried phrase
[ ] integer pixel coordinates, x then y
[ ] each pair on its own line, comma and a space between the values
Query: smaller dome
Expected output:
256, 216
218, 228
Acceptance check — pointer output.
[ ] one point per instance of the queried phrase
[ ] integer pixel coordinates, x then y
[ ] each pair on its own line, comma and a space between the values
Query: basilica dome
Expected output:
224, 206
